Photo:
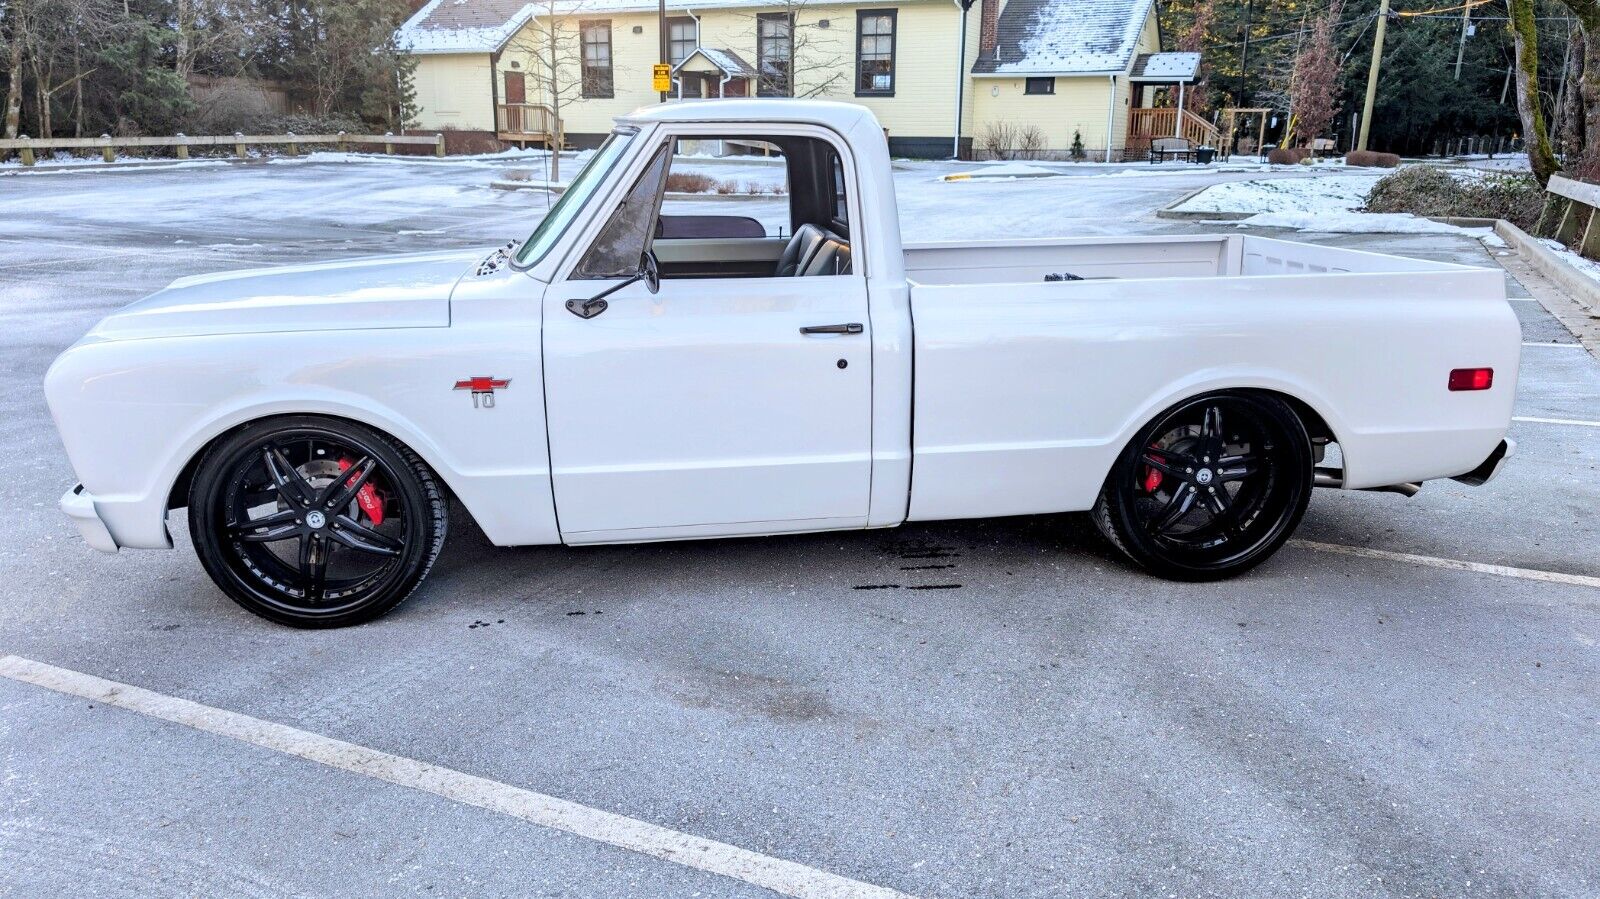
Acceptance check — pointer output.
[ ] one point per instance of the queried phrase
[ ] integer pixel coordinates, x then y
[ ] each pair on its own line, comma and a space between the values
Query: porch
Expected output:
1159, 81
1145, 125
526, 123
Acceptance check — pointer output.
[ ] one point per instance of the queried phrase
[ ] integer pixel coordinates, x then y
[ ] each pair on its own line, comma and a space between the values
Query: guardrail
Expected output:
108, 145
1578, 225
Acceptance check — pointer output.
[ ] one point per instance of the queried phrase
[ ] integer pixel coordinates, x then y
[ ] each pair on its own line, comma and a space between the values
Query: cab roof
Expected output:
840, 117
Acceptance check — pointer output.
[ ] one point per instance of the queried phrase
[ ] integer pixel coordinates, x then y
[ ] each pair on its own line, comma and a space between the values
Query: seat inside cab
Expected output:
754, 207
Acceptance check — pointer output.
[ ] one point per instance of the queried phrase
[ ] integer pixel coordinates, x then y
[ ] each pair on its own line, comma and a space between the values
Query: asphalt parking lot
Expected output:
1361, 716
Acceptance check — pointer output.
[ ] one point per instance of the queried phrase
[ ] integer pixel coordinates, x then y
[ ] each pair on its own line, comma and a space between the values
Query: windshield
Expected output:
577, 194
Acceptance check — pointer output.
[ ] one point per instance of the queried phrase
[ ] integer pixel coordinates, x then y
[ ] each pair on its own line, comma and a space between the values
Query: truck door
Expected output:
716, 406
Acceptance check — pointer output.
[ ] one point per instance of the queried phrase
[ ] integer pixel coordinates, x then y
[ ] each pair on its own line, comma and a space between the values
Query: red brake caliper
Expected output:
366, 497
1152, 479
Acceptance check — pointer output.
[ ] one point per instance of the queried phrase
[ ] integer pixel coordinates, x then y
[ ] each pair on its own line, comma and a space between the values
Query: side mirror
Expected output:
649, 272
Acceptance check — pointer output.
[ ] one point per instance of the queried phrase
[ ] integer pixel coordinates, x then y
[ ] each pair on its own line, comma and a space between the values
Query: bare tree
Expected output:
205, 29
44, 37
1314, 87
555, 47
1525, 36
796, 54
11, 41
1193, 40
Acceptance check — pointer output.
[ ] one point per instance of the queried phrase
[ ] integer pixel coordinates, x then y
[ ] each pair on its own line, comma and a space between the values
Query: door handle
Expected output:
851, 328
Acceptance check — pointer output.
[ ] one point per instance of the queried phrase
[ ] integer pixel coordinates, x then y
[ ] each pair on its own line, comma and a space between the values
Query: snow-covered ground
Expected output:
356, 197
1326, 203
1318, 195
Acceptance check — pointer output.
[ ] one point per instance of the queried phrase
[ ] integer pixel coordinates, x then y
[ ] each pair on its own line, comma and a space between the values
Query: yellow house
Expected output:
1036, 76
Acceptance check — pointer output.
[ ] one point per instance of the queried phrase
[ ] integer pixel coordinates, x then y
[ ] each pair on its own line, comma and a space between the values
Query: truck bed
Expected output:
1025, 389
1180, 256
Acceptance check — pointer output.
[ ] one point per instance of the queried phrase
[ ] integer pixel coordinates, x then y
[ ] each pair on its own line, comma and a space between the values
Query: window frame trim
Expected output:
583, 62
679, 20
761, 68
894, 49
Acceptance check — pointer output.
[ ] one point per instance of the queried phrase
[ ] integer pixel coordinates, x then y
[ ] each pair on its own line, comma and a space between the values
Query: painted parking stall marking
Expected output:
778, 875
1576, 422
1532, 574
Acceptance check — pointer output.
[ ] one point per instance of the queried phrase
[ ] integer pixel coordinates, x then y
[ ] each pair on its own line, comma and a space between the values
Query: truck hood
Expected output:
411, 291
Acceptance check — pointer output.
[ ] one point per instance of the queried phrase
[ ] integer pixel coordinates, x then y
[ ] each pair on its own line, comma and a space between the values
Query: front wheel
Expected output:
314, 522
1209, 489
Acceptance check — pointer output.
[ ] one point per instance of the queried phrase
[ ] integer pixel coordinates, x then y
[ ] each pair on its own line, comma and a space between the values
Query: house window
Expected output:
683, 35
875, 52
1040, 86
596, 39
774, 35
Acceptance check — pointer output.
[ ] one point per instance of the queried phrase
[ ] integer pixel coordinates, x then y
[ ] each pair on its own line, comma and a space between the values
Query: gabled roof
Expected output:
1065, 37
1167, 67
463, 26
729, 62
484, 26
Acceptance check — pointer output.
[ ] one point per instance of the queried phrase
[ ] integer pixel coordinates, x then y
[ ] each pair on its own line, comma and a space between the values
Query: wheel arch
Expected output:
1312, 414
178, 493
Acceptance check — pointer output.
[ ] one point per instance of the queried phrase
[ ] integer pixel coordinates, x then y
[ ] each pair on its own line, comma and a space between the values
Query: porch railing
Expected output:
529, 121
1145, 125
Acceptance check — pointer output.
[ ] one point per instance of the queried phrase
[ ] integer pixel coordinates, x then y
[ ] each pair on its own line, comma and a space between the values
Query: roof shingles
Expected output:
1065, 37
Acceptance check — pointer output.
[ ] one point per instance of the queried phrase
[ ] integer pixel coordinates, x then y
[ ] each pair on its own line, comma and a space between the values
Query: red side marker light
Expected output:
1471, 379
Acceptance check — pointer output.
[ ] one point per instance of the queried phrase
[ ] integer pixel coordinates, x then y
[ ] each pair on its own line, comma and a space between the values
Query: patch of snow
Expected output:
1008, 171
1320, 195
1587, 267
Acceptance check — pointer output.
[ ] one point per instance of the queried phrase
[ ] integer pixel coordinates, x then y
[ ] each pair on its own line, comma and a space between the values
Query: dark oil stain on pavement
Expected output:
907, 550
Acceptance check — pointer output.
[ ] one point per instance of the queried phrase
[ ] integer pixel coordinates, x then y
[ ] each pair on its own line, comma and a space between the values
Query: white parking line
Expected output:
1564, 346
1531, 574
1557, 421
784, 877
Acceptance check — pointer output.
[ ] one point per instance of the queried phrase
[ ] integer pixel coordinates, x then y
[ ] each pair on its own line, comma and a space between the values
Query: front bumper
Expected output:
79, 506
1485, 472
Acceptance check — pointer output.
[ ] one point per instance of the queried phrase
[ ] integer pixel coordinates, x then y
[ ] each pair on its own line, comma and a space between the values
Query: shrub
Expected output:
302, 123
1031, 142
1282, 156
1372, 160
1077, 150
998, 140
690, 183
1432, 191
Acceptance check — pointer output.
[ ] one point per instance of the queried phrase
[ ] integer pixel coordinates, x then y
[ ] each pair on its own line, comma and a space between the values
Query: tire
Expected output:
1210, 488
285, 534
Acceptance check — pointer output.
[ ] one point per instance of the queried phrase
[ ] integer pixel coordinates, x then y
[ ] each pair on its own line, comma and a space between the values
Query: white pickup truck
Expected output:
616, 379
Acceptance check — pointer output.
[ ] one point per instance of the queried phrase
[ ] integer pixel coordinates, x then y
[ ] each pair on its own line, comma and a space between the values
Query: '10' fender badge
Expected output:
483, 390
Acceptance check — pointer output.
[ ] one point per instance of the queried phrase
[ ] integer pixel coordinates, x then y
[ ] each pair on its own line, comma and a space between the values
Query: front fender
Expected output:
133, 414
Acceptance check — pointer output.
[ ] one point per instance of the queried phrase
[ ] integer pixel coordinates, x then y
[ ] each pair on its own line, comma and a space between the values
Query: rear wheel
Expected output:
1210, 488
313, 522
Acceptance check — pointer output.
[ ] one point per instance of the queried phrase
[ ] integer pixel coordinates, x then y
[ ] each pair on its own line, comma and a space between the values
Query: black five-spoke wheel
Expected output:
314, 522
1210, 488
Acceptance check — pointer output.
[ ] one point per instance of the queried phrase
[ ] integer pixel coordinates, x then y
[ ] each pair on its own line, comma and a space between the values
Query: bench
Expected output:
1574, 223
1175, 147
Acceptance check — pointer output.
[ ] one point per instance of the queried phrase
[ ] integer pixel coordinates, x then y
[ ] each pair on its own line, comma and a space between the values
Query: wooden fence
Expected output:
108, 145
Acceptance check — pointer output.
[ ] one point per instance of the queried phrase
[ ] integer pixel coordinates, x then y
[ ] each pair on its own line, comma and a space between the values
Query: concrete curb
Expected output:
1583, 316
1170, 211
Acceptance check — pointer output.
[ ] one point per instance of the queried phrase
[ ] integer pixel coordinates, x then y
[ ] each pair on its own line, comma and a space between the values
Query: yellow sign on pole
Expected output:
661, 78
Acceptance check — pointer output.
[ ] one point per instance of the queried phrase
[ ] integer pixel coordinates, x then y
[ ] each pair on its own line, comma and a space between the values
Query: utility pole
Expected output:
1461, 46
1244, 54
661, 32
1372, 74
